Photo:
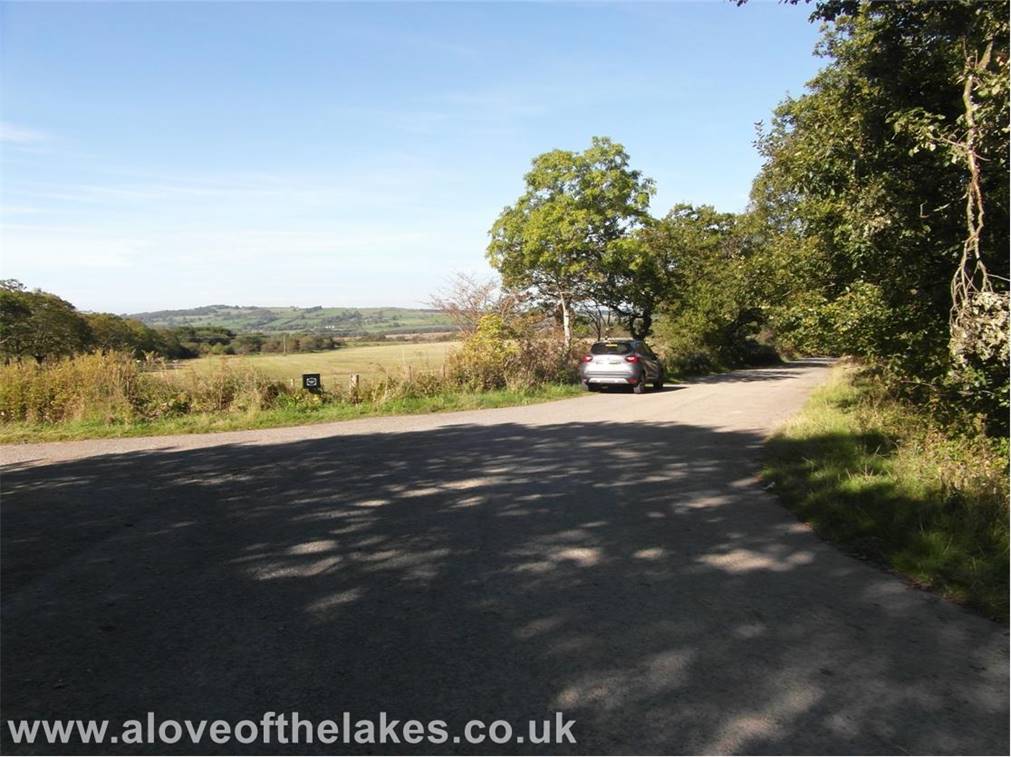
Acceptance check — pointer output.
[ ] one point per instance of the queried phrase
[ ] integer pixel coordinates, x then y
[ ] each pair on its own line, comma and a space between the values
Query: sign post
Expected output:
311, 382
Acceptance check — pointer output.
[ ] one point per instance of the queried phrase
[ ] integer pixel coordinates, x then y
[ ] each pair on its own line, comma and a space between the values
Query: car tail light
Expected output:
632, 359
587, 358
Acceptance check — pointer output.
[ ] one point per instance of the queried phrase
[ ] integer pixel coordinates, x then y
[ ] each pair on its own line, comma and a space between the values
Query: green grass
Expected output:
336, 366
879, 479
210, 422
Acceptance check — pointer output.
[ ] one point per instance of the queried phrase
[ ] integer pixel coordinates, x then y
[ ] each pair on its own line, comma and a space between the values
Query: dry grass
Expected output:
335, 366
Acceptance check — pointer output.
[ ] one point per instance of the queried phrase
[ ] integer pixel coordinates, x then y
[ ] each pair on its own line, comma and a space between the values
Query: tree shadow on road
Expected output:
634, 577
785, 371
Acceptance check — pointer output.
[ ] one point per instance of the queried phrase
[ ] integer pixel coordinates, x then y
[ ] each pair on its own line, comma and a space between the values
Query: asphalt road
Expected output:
611, 557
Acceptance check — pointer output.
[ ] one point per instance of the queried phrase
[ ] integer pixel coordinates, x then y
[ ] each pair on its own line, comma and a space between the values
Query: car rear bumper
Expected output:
611, 377
611, 380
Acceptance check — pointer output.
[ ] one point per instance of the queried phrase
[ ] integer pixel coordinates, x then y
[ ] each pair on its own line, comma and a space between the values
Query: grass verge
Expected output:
196, 423
880, 480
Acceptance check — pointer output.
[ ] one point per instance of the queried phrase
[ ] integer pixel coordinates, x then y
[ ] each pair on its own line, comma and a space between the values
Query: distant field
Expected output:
317, 319
336, 365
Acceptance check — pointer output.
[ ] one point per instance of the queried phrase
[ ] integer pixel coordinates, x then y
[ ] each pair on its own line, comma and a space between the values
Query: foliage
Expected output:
484, 358
511, 354
868, 181
42, 326
556, 238
710, 317
39, 325
111, 332
655, 265
216, 340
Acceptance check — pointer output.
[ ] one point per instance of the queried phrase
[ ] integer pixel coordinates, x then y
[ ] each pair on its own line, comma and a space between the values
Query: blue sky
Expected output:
173, 155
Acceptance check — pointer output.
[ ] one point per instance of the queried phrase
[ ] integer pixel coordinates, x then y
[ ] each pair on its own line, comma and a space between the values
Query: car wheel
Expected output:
591, 388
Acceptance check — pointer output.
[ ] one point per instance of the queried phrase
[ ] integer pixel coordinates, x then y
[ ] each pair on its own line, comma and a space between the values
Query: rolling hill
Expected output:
348, 321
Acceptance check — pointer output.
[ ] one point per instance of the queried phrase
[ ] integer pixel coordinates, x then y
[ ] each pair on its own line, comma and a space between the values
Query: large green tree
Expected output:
576, 209
15, 319
113, 332
39, 324
889, 177
663, 262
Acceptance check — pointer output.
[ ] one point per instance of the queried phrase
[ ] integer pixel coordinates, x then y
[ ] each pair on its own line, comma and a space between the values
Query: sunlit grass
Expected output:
880, 480
335, 366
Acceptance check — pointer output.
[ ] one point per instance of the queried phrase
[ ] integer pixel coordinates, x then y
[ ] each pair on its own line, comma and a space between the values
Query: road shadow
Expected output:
786, 370
629, 390
634, 577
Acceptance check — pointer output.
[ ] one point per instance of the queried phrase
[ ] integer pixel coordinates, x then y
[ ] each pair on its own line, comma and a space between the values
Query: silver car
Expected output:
621, 362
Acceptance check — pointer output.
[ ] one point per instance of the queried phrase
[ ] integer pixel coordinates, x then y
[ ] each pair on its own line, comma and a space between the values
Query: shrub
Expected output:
484, 358
517, 356
691, 362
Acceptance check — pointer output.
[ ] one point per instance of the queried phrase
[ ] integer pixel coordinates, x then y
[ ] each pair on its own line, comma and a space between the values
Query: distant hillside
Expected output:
344, 321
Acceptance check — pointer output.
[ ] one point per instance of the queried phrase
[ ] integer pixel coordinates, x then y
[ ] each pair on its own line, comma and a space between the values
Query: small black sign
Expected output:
311, 382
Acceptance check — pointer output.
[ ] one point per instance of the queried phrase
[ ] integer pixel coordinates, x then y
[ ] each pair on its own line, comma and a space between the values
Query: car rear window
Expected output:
611, 348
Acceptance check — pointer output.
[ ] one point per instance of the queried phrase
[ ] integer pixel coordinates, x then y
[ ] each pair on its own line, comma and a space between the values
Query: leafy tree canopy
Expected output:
575, 207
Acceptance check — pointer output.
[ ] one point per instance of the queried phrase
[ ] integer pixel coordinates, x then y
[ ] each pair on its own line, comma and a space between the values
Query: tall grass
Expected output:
114, 388
883, 480
112, 394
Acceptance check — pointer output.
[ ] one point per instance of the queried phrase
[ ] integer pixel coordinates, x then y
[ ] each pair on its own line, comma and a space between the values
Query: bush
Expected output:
497, 356
484, 358
690, 362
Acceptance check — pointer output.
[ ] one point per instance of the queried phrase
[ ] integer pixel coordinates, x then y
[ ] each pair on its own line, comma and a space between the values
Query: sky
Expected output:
171, 155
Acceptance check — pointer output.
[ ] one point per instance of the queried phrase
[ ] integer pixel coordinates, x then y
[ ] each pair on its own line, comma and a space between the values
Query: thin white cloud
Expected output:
349, 249
19, 210
396, 181
21, 136
28, 248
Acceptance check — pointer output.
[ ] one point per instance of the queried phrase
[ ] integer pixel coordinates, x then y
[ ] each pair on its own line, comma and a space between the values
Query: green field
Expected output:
335, 366
336, 321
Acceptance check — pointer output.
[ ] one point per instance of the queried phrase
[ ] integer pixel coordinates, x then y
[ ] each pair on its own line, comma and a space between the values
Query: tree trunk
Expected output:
646, 325
566, 320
